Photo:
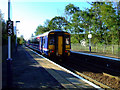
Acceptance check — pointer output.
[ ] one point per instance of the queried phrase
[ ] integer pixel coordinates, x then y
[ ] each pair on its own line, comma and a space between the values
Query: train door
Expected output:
41, 44
60, 45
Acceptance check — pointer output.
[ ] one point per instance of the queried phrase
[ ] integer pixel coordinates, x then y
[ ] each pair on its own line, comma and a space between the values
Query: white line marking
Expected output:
90, 83
97, 56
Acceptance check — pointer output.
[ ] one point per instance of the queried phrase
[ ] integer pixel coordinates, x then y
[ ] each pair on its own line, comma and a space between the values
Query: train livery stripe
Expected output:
45, 49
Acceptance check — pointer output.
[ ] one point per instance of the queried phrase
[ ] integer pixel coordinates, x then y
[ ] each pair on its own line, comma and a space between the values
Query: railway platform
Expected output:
31, 70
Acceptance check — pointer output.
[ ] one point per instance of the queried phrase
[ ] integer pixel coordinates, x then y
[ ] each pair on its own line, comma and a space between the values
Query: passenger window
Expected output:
67, 40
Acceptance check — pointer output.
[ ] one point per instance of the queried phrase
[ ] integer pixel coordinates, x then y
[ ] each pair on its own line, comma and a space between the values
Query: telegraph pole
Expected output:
9, 59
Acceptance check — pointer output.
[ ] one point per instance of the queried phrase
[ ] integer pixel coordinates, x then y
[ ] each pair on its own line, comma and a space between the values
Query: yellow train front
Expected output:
59, 43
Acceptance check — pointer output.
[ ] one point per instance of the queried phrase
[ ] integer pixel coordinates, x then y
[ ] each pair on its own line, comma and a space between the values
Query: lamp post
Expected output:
16, 34
89, 36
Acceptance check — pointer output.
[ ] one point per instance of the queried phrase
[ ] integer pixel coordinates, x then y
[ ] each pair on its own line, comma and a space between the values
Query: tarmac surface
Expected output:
32, 71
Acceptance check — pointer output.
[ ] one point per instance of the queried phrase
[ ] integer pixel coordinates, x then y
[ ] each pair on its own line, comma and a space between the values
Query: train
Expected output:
54, 43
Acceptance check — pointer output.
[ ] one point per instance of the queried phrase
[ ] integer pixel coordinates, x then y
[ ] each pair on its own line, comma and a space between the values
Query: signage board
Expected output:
10, 27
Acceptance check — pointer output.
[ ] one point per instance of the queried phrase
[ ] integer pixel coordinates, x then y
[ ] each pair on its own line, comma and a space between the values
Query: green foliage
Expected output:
54, 23
4, 31
57, 23
101, 20
1, 16
46, 23
20, 40
76, 38
71, 9
41, 29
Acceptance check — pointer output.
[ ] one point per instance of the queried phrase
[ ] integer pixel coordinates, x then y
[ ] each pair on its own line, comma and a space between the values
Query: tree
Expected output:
70, 9
104, 22
57, 23
46, 23
117, 8
118, 24
108, 16
72, 15
77, 26
21, 40
1, 16
95, 22
3, 29
41, 29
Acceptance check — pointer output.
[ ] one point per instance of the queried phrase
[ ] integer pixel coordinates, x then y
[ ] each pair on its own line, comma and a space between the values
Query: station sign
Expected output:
10, 27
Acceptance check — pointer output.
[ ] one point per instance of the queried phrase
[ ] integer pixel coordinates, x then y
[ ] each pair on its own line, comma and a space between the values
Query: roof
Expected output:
46, 33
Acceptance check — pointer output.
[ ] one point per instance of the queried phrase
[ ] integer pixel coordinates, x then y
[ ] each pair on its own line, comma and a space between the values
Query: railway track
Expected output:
103, 76
91, 66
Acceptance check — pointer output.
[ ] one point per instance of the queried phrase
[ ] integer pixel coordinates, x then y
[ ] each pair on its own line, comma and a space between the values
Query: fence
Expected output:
103, 49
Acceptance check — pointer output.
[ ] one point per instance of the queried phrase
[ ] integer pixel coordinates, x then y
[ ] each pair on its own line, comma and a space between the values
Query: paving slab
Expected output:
33, 71
27, 73
66, 79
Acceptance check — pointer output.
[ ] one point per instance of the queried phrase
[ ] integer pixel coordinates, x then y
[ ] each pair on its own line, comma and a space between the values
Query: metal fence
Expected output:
103, 49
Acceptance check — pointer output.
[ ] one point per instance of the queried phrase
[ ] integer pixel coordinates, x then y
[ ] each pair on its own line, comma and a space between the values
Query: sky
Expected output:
32, 13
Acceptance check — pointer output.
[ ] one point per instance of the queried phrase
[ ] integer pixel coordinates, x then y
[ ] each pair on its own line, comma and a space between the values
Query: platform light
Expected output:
89, 36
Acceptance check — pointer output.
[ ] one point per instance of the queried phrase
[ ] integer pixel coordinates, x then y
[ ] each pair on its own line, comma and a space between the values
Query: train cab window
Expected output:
67, 40
51, 40
36, 41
